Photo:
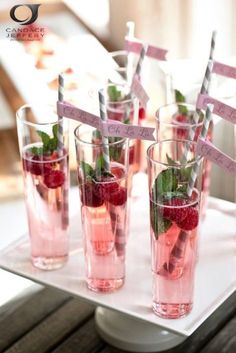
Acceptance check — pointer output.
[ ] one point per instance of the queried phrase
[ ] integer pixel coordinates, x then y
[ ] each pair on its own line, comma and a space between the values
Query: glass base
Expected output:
171, 311
105, 285
49, 263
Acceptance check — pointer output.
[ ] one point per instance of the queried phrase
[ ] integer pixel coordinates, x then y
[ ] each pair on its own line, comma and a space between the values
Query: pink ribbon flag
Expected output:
221, 109
135, 46
208, 150
109, 128
224, 70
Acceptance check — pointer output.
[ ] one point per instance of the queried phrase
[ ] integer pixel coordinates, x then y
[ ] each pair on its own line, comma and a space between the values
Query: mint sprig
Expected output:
114, 93
49, 143
170, 183
180, 98
88, 171
91, 173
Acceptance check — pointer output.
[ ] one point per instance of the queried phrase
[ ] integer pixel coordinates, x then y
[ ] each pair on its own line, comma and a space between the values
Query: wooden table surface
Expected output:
48, 320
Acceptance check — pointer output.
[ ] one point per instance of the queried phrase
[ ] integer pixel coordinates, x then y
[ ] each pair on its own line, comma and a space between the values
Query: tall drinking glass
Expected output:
174, 219
46, 183
175, 121
103, 195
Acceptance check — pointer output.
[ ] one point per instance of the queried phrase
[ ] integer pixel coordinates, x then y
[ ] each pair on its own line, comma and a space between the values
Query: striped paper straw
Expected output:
60, 143
130, 57
140, 61
203, 135
105, 141
177, 254
213, 43
204, 89
60, 147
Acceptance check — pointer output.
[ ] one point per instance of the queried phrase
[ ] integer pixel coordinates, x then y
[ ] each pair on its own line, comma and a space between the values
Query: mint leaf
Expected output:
88, 171
97, 134
45, 139
127, 121
100, 164
185, 173
113, 93
180, 193
179, 97
55, 131
107, 174
165, 182
170, 161
159, 224
37, 151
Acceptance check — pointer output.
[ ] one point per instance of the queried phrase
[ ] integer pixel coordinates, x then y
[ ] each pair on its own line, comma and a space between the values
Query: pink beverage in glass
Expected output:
174, 255
174, 219
43, 144
104, 212
174, 121
46, 189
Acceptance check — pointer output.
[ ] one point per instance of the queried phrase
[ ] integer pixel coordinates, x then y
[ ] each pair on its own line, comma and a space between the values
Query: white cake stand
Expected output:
133, 335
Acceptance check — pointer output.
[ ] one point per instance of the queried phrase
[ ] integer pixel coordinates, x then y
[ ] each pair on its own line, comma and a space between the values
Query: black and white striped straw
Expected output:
204, 90
60, 144
213, 43
60, 150
140, 61
105, 141
130, 56
194, 172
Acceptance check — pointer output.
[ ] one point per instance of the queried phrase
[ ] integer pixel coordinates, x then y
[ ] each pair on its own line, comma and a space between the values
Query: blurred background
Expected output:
77, 36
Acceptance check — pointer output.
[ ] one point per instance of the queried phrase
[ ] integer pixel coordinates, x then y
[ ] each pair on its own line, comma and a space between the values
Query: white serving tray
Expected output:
215, 275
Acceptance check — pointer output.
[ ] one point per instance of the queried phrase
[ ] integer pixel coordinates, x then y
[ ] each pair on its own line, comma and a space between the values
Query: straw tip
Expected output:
210, 107
214, 33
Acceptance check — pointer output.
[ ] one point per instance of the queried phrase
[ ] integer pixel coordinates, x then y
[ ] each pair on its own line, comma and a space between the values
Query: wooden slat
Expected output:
109, 349
84, 340
54, 329
29, 314
225, 341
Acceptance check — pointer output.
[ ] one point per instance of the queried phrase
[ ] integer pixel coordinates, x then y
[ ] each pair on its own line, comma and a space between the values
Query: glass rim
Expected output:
109, 144
187, 164
178, 124
33, 124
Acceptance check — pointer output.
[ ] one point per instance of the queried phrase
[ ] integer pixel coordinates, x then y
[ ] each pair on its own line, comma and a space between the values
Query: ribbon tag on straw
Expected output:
152, 51
108, 128
224, 70
156, 53
118, 129
70, 111
220, 109
139, 91
209, 151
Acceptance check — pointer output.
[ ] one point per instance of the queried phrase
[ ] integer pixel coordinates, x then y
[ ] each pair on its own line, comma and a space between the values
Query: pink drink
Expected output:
103, 209
174, 255
46, 193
